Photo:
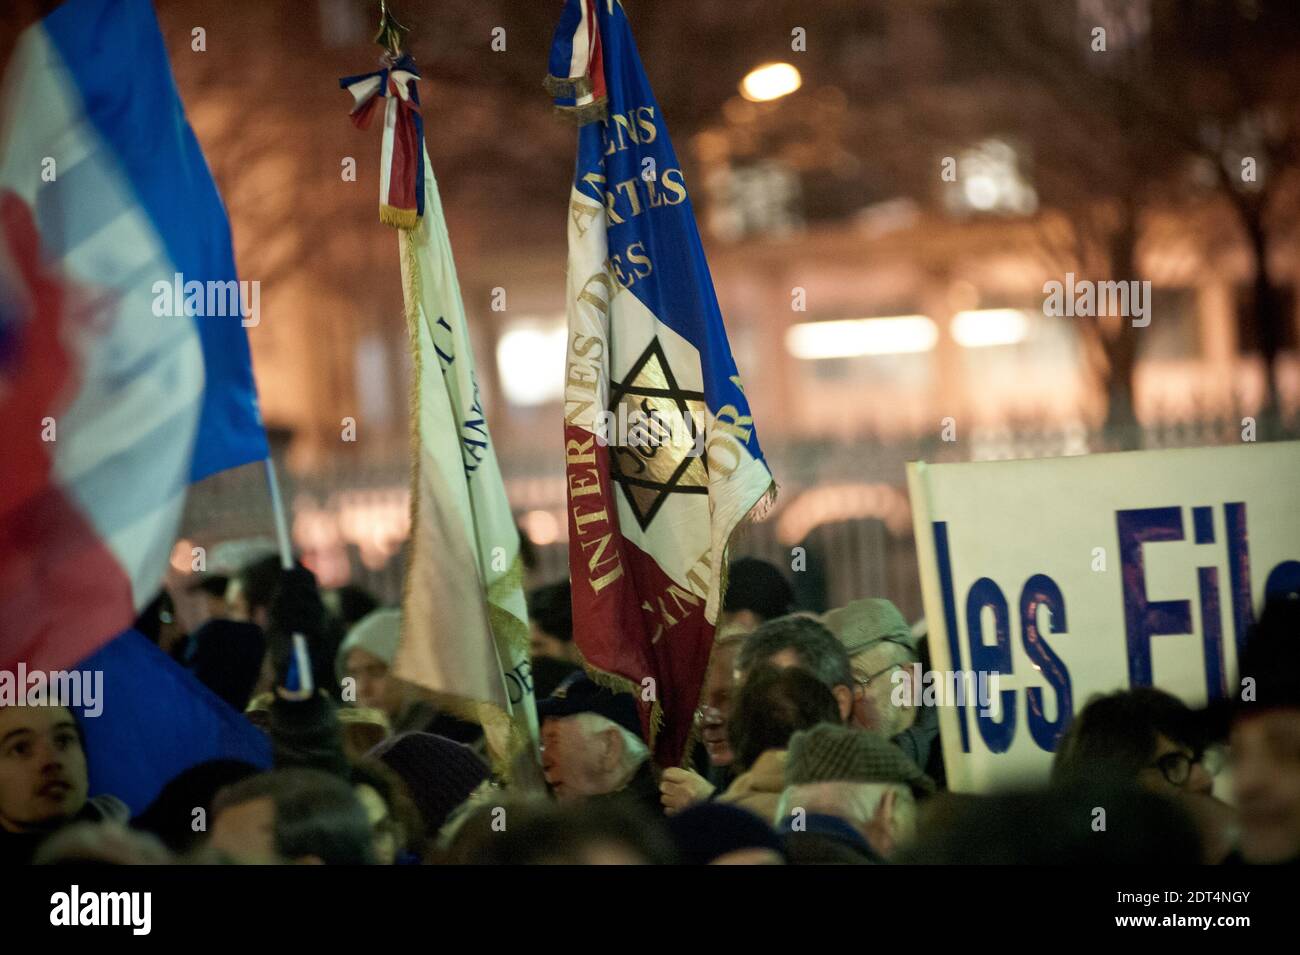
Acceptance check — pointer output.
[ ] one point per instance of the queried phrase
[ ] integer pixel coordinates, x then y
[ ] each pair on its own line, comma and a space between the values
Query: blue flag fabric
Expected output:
156, 721
116, 59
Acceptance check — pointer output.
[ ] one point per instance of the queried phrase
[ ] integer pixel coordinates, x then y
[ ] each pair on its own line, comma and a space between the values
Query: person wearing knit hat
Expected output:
365, 658
439, 773
883, 655
850, 796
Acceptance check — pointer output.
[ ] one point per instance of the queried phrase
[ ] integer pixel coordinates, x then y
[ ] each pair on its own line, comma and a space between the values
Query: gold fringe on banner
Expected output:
404, 219
762, 507
621, 684
576, 86
582, 115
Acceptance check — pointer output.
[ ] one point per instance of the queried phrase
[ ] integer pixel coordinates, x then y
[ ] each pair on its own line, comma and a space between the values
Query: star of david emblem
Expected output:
656, 457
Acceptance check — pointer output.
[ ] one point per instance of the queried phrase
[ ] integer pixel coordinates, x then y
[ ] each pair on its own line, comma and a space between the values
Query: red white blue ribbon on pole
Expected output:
401, 177
576, 77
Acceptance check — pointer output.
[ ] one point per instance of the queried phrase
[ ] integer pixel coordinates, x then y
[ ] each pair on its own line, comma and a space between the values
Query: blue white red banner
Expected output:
650, 513
109, 405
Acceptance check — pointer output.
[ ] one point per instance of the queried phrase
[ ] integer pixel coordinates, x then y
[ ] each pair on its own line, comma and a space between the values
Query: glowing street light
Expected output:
770, 81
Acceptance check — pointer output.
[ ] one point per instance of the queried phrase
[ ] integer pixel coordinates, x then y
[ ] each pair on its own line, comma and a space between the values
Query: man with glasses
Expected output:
795, 640
882, 653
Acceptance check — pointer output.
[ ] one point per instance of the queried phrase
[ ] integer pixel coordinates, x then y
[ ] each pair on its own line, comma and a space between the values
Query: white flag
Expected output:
464, 618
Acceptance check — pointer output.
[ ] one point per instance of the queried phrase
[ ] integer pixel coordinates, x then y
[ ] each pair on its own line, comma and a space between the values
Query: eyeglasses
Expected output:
1176, 767
897, 641
865, 681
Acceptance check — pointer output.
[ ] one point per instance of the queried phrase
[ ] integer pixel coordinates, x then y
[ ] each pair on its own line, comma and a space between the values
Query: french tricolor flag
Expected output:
650, 520
108, 410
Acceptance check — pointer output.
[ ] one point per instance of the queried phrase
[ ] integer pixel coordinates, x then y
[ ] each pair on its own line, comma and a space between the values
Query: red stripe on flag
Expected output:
595, 59
407, 153
362, 115
62, 592
630, 617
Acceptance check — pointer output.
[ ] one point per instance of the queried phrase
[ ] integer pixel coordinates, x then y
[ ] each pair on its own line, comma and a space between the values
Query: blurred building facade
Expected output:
868, 304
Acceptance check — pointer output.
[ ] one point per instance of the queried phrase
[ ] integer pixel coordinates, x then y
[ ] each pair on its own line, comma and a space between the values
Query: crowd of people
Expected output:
802, 754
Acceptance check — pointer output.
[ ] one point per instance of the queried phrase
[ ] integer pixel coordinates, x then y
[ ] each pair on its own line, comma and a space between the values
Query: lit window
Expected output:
848, 338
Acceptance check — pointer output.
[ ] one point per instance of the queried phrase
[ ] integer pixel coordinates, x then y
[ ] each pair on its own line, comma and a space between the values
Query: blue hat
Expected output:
579, 693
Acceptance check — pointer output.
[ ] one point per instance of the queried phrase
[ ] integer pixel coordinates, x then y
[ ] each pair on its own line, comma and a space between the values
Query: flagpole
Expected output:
300, 668
277, 509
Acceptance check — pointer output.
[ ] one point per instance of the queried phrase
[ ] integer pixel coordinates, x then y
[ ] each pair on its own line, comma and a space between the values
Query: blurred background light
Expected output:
851, 337
980, 328
770, 81
530, 361
542, 527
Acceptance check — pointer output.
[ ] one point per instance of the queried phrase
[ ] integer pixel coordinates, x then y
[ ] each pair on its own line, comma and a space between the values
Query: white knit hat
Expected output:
377, 632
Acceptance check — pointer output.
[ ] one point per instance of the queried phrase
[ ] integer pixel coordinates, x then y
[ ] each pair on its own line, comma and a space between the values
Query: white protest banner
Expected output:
1048, 581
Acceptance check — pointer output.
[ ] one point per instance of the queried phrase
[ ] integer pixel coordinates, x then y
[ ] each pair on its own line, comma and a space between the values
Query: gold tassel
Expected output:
582, 115
576, 87
565, 86
404, 219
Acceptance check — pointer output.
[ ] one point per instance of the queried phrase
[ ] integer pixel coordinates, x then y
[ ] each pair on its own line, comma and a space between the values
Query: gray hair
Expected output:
634, 750
819, 652
853, 802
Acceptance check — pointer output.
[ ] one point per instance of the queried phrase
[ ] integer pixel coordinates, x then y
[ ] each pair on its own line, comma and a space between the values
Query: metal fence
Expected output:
841, 528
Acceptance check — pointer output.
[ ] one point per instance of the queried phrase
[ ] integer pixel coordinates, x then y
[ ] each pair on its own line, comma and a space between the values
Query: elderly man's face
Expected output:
719, 684
576, 762
43, 778
1265, 752
873, 706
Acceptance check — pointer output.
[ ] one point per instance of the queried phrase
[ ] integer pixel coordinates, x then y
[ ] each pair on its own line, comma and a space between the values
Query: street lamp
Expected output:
770, 81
